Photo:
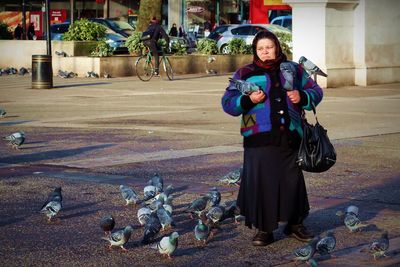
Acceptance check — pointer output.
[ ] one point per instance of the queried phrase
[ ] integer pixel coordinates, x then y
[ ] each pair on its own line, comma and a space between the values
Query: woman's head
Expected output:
266, 46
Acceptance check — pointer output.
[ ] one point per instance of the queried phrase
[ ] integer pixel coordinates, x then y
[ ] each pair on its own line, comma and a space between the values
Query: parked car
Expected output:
243, 31
284, 21
218, 31
120, 27
115, 40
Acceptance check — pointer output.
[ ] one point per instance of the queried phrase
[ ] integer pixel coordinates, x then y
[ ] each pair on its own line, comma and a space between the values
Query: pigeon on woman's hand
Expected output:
119, 238
244, 87
288, 71
168, 245
129, 195
310, 67
107, 224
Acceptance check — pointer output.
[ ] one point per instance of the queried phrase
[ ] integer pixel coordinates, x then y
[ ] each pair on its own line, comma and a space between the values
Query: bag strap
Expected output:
303, 114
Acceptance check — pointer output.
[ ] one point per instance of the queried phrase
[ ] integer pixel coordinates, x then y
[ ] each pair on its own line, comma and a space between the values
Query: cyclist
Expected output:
150, 37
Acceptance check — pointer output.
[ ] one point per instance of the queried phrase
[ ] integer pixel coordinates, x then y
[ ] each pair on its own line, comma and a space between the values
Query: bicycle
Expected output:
145, 69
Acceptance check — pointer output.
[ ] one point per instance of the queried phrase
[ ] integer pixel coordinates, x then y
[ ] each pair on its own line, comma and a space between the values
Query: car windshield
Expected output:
217, 31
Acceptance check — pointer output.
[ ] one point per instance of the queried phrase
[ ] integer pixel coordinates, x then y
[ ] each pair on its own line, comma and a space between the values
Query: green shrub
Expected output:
84, 30
5, 33
207, 46
286, 43
178, 49
102, 49
238, 46
134, 44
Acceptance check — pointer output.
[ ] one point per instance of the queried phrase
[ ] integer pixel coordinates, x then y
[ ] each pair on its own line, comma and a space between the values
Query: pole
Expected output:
72, 10
24, 20
48, 28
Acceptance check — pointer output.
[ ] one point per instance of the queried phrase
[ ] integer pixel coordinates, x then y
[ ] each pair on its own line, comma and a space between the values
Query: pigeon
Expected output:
53, 204
379, 246
215, 196
231, 211
244, 87
66, 74
143, 215
92, 74
158, 182
326, 244
149, 192
107, 223
168, 244
311, 68
165, 218
198, 205
16, 139
153, 206
151, 228
353, 223
288, 71
22, 71
3, 112
211, 59
119, 238
166, 193
215, 214
201, 231
129, 195
61, 54
349, 210
232, 177
307, 252
107, 75
168, 208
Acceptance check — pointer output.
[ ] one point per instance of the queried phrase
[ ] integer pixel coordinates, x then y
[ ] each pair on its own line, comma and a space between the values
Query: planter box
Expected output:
74, 48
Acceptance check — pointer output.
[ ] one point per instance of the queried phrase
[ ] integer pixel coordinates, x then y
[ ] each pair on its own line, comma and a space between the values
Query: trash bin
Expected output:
42, 72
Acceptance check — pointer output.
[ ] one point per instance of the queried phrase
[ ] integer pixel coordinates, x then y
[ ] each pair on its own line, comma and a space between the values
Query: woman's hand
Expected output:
257, 97
294, 96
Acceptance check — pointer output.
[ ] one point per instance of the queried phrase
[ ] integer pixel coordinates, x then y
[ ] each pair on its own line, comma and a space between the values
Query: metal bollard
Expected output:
42, 72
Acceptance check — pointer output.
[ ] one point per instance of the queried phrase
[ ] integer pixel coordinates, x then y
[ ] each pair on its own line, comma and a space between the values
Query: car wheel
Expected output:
225, 49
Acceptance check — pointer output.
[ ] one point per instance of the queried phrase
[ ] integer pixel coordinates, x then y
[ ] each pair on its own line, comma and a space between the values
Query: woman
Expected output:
272, 187
173, 31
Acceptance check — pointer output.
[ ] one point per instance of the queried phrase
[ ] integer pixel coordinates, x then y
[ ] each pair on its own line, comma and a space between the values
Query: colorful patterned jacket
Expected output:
259, 115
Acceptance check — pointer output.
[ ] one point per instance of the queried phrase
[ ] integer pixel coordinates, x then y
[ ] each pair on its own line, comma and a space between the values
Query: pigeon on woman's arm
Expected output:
244, 87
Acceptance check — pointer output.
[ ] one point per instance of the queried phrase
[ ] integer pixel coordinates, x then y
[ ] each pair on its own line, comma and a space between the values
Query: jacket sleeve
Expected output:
232, 98
310, 92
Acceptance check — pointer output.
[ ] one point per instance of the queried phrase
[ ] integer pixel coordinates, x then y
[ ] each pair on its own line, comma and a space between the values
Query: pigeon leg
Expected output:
124, 249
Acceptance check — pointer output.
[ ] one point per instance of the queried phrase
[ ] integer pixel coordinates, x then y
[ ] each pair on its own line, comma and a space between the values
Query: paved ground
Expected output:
90, 135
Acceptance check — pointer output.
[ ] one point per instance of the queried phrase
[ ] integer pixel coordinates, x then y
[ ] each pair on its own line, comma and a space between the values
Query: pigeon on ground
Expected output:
66, 74
92, 74
158, 182
143, 215
151, 228
215, 196
107, 223
119, 238
305, 253
166, 193
215, 214
149, 192
201, 231
231, 211
353, 223
53, 204
165, 218
288, 71
107, 75
61, 54
3, 112
129, 195
22, 71
311, 68
232, 177
198, 205
326, 244
211, 59
168, 244
379, 246
16, 139
244, 87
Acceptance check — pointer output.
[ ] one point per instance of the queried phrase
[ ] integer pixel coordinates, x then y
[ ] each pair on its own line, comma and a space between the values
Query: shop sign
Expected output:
195, 9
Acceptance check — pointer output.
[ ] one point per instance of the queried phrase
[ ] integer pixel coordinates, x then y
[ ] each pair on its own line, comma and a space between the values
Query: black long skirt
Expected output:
272, 188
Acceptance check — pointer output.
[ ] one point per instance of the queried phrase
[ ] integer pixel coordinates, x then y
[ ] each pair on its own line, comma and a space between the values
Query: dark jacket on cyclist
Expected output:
156, 32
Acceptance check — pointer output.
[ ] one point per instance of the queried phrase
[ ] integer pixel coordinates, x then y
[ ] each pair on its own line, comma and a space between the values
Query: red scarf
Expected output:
271, 65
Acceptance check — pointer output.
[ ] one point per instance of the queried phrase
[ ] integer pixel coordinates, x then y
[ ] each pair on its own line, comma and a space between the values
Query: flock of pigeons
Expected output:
155, 215
12, 71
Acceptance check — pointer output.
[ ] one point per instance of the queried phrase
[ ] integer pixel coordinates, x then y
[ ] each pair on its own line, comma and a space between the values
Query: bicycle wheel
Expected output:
144, 68
168, 68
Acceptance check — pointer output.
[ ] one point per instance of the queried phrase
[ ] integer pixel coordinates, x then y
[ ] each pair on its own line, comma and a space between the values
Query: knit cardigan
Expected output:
257, 119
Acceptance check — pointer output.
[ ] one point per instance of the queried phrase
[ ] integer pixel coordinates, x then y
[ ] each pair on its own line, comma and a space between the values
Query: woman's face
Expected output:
266, 49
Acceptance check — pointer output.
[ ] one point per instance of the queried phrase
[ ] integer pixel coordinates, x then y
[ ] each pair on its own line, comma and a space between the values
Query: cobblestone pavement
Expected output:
91, 135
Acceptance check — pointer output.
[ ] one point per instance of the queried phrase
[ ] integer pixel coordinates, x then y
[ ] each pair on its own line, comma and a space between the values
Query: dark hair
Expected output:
264, 34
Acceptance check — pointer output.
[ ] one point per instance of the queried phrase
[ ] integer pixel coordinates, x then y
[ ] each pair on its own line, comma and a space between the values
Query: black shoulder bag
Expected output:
316, 153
